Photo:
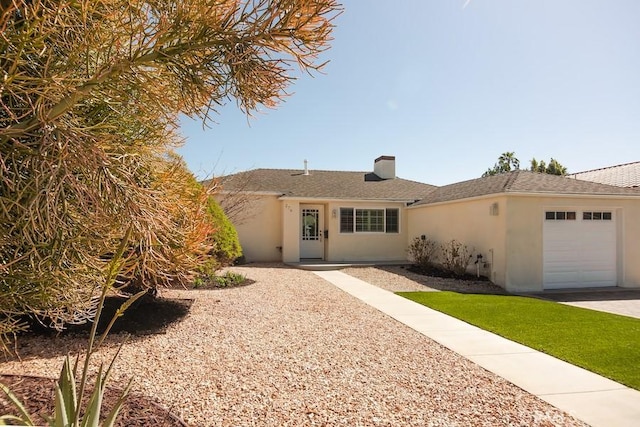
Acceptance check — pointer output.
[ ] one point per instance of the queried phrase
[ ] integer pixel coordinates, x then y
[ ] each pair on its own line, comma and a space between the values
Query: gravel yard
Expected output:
293, 350
397, 278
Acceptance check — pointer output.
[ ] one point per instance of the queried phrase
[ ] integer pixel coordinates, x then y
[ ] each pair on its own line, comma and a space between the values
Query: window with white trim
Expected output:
354, 220
596, 216
560, 215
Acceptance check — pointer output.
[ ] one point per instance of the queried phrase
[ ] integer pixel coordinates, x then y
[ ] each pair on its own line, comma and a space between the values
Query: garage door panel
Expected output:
561, 280
579, 253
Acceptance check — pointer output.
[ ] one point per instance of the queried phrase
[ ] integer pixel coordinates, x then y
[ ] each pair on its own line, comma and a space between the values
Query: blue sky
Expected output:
446, 89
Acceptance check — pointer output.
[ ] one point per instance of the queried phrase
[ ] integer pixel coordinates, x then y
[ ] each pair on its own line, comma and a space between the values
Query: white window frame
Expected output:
592, 215
354, 220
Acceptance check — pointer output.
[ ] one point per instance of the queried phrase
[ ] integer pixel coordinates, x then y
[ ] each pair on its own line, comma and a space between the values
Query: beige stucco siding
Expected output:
525, 237
370, 247
471, 223
260, 233
290, 224
513, 240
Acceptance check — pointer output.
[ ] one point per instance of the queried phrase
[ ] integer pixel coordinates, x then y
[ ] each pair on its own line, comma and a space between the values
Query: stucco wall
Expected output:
364, 246
469, 222
514, 238
260, 233
525, 237
291, 231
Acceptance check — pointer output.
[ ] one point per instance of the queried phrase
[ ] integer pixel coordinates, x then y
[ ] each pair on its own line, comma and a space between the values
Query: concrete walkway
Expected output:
591, 398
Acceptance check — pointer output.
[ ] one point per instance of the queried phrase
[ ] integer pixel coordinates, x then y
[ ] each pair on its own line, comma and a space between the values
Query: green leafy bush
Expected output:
225, 237
224, 243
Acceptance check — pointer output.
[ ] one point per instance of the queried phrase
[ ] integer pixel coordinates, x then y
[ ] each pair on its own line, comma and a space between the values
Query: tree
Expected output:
553, 168
89, 103
506, 163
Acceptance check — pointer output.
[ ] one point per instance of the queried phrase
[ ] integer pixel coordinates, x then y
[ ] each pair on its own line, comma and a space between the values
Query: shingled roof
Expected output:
522, 182
625, 175
321, 184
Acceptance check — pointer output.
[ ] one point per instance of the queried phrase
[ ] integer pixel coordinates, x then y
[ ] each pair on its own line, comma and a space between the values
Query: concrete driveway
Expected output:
612, 300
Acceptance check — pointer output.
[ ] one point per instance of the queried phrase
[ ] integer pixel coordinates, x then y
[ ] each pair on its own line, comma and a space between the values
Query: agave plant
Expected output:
69, 390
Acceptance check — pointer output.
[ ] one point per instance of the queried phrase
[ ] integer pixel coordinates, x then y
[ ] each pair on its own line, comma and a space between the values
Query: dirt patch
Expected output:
147, 316
37, 394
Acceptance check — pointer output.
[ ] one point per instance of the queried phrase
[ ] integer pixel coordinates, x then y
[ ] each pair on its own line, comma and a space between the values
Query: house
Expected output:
625, 175
534, 231
333, 216
538, 231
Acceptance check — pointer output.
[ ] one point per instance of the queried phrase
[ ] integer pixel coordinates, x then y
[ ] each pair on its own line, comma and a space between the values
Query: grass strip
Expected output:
604, 343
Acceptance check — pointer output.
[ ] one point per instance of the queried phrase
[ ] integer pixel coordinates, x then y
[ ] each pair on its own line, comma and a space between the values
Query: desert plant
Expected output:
90, 102
70, 390
455, 257
423, 251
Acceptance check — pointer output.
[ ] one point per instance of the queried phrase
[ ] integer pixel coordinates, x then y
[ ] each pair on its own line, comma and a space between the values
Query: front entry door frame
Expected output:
312, 232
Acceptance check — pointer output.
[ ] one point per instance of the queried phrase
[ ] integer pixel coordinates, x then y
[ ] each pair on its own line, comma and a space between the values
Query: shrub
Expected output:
423, 251
455, 257
225, 237
223, 243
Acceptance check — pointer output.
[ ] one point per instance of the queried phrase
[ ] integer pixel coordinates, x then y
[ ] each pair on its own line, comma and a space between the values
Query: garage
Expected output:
579, 248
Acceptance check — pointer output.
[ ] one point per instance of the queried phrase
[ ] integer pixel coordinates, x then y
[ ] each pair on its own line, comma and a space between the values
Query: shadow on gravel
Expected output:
467, 284
147, 316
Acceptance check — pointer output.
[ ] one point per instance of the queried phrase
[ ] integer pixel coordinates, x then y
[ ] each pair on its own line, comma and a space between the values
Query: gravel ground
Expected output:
293, 350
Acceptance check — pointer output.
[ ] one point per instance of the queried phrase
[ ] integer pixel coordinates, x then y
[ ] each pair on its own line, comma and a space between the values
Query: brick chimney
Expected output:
385, 167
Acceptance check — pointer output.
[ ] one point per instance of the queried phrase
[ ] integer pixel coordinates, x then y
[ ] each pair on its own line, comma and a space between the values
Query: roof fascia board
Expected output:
574, 195
532, 194
328, 199
258, 193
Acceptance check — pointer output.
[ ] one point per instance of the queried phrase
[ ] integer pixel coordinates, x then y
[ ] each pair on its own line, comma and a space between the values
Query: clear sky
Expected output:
446, 87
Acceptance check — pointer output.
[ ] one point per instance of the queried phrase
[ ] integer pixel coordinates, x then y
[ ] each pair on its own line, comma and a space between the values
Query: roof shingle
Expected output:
326, 184
521, 181
625, 175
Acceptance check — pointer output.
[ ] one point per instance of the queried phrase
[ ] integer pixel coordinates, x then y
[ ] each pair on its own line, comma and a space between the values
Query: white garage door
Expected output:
579, 249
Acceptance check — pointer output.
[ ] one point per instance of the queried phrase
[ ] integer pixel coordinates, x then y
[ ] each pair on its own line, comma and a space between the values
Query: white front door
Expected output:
312, 225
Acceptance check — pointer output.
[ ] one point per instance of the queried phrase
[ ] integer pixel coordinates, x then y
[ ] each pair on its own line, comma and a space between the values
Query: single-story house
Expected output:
335, 216
534, 231
537, 231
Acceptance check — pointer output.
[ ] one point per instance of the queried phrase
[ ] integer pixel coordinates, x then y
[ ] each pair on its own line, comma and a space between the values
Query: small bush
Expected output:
224, 242
455, 257
226, 280
227, 246
229, 279
423, 252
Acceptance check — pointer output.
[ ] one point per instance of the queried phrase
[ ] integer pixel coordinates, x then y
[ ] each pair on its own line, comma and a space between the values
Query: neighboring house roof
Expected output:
521, 181
325, 185
626, 175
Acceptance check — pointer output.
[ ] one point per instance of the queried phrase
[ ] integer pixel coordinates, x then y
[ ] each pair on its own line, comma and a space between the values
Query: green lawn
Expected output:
604, 343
